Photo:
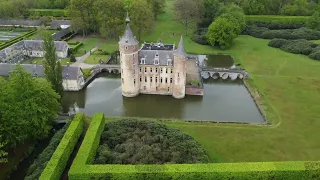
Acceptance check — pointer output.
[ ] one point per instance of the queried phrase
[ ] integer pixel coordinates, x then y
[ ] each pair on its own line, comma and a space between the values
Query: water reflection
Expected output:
223, 101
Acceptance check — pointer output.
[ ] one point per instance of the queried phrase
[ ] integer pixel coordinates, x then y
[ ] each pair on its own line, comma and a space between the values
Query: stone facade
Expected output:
152, 69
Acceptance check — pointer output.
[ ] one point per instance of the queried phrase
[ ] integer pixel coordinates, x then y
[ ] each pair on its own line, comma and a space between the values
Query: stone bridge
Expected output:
224, 73
109, 68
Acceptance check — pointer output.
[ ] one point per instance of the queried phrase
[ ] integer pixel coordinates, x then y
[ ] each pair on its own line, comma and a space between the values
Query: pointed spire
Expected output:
128, 37
127, 18
180, 50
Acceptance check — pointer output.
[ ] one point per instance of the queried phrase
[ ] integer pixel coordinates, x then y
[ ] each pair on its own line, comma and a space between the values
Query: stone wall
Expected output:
180, 76
194, 91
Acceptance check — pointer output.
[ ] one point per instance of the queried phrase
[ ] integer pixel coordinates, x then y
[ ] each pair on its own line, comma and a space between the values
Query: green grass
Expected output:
316, 41
290, 87
88, 44
38, 33
94, 59
39, 61
274, 18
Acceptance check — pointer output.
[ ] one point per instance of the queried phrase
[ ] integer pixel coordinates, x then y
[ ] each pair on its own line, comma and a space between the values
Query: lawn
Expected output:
88, 44
39, 61
94, 59
290, 86
316, 41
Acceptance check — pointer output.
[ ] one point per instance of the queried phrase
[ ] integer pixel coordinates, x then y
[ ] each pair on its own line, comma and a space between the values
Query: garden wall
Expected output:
83, 169
60, 157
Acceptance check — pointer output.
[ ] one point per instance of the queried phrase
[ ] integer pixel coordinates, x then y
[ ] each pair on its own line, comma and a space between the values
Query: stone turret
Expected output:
129, 62
180, 71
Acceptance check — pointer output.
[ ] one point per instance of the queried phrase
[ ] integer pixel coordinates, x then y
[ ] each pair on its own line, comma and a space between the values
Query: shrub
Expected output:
60, 157
72, 58
314, 21
301, 46
276, 25
265, 33
131, 141
39, 164
199, 36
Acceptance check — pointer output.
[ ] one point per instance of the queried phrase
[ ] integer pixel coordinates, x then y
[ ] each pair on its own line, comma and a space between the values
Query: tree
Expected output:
157, 7
314, 21
222, 32
235, 14
253, 7
3, 154
141, 16
27, 107
111, 16
208, 12
187, 11
52, 68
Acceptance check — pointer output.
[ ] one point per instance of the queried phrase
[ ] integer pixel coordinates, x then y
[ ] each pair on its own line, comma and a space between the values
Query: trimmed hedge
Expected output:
300, 46
40, 163
48, 12
274, 18
82, 170
277, 25
17, 39
60, 157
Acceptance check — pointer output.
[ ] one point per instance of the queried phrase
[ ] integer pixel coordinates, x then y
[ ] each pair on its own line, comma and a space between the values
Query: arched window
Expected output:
151, 79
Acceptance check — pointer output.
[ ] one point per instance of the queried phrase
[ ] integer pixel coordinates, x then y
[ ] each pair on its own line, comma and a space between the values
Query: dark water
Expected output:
222, 102
215, 61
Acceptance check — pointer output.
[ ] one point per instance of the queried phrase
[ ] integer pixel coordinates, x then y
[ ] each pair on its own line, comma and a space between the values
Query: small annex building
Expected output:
30, 48
73, 79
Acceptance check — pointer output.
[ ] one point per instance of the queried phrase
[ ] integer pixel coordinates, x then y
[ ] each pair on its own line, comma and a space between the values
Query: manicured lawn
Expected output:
94, 59
290, 87
316, 41
88, 44
39, 61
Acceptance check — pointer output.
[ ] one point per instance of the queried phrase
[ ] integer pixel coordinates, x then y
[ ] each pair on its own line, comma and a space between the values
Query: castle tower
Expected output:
180, 71
129, 62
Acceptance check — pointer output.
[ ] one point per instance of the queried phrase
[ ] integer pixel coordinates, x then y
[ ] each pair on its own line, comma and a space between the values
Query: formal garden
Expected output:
281, 54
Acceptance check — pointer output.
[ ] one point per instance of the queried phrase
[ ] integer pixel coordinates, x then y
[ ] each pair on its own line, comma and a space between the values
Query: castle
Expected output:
152, 69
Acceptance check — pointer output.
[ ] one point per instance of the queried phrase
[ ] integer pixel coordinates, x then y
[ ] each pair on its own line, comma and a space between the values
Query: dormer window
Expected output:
156, 61
169, 62
143, 61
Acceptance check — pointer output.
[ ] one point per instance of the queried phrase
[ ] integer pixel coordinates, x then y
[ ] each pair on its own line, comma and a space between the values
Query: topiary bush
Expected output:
131, 141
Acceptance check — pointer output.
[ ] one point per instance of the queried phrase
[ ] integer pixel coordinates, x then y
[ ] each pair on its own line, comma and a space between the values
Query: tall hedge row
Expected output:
271, 18
48, 12
90, 143
60, 157
17, 39
40, 163
82, 169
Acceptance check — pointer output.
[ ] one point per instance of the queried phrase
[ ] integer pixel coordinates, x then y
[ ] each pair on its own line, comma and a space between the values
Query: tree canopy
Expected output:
27, 107
314, 21
3, 154
131, 141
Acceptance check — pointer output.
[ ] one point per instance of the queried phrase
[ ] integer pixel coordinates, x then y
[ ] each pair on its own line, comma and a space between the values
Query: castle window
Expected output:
126, 47
156, 88
166, 70
156, 61
140, 79
156, 70
171, 70
144, 87
168, 88
134, 81
161, 80
145, 79
143, 61
150, 79
178, 74
140, 69
170, 80
150, 69
166, 80
145, 69
161, 70
156, 79
169, 62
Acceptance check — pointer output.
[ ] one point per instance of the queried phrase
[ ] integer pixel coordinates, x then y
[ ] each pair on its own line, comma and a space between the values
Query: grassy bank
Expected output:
289, 83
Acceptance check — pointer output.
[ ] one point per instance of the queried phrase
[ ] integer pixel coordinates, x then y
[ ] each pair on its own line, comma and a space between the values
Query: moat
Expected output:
223, 101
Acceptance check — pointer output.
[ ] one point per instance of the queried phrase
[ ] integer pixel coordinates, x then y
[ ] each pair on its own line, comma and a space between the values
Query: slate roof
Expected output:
150, 55
60, 34
36, 45
55, 24
180, 50
38, 70
128, 38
